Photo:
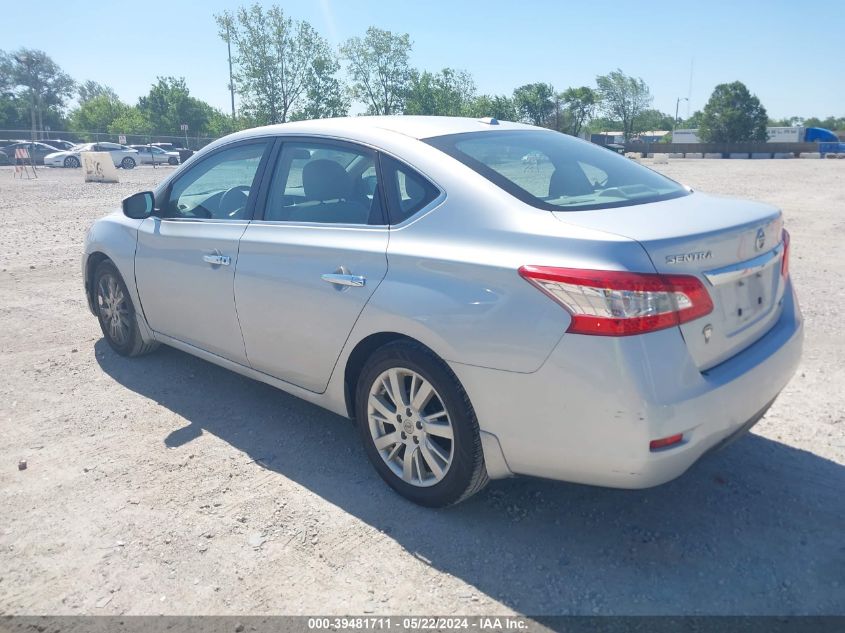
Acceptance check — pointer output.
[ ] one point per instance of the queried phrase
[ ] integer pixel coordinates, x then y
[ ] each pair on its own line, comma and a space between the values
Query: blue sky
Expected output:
778, 49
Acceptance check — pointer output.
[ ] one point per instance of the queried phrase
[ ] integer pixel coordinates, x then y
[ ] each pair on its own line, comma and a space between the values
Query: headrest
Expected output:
569, 180
414, 189
325, 179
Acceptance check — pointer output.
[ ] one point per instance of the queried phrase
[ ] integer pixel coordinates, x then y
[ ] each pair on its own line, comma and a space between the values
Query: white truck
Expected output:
794, 134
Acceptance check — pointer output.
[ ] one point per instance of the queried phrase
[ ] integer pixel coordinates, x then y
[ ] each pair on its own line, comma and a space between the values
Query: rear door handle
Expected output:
344, 280
217, 260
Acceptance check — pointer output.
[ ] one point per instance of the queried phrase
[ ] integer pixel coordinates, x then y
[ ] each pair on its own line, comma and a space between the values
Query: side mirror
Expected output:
139, 206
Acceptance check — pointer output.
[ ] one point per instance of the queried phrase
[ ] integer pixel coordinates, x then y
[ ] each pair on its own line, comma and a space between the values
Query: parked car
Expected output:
59, 143
184, 154
614, 147
148, 154
37, 150
599, 323
122, 156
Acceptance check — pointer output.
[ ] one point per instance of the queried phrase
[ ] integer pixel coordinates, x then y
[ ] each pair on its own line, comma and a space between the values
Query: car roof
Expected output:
418, 127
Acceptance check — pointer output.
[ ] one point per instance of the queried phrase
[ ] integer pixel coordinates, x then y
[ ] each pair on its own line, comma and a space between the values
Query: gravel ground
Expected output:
168, 485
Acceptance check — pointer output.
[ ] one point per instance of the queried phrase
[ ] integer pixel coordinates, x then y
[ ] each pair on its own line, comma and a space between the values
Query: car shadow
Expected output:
753, 529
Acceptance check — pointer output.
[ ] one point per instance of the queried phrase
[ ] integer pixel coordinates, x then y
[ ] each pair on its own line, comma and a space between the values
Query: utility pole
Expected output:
231, 80
675, 120
24, 61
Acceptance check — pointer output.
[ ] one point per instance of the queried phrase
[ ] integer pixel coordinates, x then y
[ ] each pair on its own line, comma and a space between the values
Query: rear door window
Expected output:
407, 190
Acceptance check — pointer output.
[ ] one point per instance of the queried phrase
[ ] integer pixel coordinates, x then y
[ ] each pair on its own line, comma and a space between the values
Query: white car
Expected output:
122, 156
149, 154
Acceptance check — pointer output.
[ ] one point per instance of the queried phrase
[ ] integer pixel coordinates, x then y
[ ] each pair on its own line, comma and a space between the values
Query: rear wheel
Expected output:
72, 161
418, 426
128, 163
116, 313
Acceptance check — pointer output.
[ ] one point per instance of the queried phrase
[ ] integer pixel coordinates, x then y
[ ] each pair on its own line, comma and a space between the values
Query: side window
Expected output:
407, 191
326, 183
217, 187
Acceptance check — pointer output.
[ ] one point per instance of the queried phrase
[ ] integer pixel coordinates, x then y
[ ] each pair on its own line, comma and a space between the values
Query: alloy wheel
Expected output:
114, 309
410, 427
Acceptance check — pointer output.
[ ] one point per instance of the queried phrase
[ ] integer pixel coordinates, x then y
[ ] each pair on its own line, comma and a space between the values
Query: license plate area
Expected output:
746, 291
751, 296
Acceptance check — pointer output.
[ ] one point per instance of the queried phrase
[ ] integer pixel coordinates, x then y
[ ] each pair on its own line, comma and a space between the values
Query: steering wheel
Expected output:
234, 200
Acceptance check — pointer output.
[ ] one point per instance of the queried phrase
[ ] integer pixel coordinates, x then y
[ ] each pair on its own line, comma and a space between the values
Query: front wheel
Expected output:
128, 163
173, 160
72, 162
117, 314
418, 426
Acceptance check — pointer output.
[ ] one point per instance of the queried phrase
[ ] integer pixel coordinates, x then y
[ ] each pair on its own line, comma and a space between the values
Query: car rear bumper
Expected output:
588, 414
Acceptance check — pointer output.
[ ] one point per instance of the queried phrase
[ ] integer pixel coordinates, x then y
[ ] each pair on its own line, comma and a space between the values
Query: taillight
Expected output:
784, 263
613, 303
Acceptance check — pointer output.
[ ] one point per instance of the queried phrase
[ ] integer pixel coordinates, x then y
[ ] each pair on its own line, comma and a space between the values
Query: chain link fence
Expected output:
185, 140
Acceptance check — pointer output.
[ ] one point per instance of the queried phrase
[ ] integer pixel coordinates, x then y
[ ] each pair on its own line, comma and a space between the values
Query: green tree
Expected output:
651, 120
830, 123
96, 114
169, 104
282, 65
535, 103
733, 115
33, 76
624, 99
221, 124
89, 89
691, 123
449, 92
131, 120
786, 121
579, 104
378, 66
14, 112
499, 107
326, 96
605, 124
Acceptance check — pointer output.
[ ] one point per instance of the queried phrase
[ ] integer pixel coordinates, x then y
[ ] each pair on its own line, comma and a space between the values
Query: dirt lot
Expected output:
168, 485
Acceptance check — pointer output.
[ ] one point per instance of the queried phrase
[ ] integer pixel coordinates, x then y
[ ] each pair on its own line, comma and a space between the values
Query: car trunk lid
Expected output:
734, 247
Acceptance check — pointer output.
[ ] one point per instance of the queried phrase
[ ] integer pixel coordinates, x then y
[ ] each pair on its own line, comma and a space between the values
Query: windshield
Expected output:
557, 172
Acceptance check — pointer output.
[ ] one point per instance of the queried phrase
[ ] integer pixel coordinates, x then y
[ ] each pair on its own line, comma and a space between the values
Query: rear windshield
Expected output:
557, 172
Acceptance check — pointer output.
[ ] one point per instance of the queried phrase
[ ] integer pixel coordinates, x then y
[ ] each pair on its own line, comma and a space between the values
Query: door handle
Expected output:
217, 260
344, 280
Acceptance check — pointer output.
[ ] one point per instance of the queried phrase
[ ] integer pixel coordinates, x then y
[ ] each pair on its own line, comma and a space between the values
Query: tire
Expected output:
72, 162
421, 437
111, 297
173, 160
128, 163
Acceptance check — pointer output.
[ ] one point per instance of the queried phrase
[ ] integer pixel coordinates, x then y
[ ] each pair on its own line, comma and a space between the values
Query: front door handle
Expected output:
344, 280
217, 260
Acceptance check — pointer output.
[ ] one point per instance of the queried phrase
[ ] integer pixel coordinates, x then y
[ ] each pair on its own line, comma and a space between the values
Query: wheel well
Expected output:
355, 363
94, 260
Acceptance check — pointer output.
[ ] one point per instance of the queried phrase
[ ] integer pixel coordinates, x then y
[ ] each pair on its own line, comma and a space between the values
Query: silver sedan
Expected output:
150, 154
587, 319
